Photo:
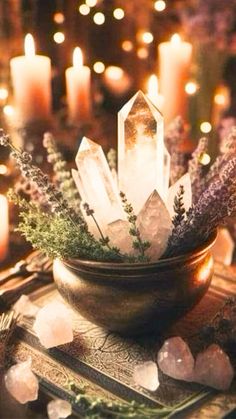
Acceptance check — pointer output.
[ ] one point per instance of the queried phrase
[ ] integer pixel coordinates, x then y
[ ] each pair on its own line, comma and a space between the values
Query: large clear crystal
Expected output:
141, 150
96, 184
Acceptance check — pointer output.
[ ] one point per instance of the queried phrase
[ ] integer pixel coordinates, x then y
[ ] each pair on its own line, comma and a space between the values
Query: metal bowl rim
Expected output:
187, 257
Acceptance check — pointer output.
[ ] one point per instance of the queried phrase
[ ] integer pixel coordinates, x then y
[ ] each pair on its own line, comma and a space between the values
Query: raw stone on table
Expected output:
21, 382
59, 409
213, 368
155, 225
53, 325
176, 360
146, 375
25, 307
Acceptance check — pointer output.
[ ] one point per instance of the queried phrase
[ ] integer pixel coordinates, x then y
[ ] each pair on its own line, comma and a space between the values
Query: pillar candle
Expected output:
153, 92
31, 80
4, 227
174, 66
78, 87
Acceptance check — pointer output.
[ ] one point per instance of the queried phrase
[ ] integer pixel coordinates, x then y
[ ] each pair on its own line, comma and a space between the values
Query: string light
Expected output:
84, 9
118, 13
127, 45
59, 18
59, 37
205, 159
99, 18
147, 37
8, 110
142, 53
3, 93
159, 5
190, 88
219, 99
99, 67
205, 127
91, 3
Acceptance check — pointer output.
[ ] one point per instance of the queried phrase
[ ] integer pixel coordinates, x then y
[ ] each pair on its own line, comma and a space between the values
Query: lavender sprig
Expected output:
179, 207
216, 203
53, 196
138, 243
62, 175
230, 151
196, 169
174, 138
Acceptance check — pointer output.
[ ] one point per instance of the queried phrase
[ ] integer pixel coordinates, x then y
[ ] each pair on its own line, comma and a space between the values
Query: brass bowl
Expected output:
137, 298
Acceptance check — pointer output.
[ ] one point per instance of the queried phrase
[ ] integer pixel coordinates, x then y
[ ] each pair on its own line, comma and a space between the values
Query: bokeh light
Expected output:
84, 9
99, 67
205, 127
59, 37
99, 18
191, 88
159, 5
118, 13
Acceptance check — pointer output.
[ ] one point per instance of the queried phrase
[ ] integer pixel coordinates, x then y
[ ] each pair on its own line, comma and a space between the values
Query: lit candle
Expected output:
31, 79
78, 89
174, 65
153, 92
4, 227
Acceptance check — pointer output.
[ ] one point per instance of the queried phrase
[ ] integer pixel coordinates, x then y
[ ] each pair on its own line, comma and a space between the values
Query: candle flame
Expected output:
77, 57
152, 87
29, 45
175, 39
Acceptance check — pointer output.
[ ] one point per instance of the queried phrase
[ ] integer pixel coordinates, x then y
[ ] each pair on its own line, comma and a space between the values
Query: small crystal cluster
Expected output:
53, 325
212, 366
21, 382
143, 176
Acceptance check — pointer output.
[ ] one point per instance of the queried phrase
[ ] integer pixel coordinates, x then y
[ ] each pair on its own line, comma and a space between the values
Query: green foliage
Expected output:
179, 207
55, 234
138, 244
96, 408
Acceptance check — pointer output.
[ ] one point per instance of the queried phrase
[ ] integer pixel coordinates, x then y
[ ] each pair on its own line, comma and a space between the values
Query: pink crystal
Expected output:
146, 375
53, 325
59, 409
175, 359
213, 368
21, 382
25, 307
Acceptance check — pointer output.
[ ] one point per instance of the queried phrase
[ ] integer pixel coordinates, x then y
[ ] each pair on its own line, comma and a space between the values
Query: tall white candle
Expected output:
153, 92
31, 80
4, 227
78, 87
174, 67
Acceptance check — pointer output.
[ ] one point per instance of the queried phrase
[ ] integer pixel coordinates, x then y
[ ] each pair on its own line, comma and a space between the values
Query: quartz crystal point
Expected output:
53, 325
96, 184
154, 224
141, 151
213, 368
118, 233
184, 181
223, 248
21, 382
59, 409
175, 359
146, 375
